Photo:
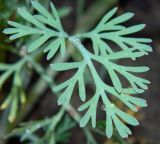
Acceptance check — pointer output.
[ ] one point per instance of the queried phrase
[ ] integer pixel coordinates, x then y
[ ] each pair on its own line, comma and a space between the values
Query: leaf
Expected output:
132, 29
84, 106
62, 85
36, 44
126, 117
90, 114
53, 48
108, 15
44, 33
65, 97
28, 17
138, 101
6, 102
11, 31
28, 131
111, 29
62, 99
109, 125
82, 91
95, 46
13, 112
4, 66
115, 80
121, 18
4, 77
65, 66
54, 11
93, 117
47, 27
131, 91
120, 127
123, 130
85, 119
40, 8
15, 24
63, 47
137, 69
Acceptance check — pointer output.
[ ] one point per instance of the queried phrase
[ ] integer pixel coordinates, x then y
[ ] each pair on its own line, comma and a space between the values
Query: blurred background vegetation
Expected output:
30, 104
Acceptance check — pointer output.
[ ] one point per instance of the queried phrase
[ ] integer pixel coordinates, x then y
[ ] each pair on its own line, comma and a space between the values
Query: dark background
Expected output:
146, 11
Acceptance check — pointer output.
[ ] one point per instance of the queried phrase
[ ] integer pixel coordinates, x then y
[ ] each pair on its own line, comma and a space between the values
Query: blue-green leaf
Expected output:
65, 66
40, 8
82, 90
36, 44
109, 125
126, 117
28, 17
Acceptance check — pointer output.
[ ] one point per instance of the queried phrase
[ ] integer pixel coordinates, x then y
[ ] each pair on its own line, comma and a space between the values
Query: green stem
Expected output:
87, 58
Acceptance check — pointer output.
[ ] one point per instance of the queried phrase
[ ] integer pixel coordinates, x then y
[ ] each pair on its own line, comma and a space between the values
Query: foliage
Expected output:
46, 27
50, 126
17, 94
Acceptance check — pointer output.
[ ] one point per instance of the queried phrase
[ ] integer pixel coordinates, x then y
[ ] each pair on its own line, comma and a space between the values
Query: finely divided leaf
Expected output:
108, 29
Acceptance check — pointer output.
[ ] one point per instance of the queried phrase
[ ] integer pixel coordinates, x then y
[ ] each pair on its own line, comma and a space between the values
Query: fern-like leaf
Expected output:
45, 26
108, 29
112, 30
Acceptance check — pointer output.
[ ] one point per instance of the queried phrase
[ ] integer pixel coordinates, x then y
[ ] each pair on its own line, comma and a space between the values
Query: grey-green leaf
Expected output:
65, 66
28, 17
37, 43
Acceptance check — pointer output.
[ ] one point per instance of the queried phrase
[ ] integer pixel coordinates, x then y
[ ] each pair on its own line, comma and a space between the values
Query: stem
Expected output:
88, 60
